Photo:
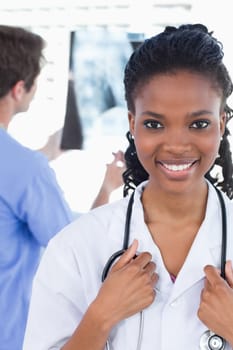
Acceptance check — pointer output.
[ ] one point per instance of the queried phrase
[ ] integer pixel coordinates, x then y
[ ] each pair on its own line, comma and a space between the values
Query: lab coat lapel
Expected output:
206, 248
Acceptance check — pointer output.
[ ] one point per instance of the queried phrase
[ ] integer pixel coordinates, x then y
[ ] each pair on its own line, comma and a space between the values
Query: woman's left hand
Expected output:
216, 304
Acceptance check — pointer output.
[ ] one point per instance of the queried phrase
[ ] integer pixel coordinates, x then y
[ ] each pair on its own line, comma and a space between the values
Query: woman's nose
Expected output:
177, 142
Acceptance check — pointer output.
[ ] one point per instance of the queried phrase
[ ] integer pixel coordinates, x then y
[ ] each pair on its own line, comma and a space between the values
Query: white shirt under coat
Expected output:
69, 278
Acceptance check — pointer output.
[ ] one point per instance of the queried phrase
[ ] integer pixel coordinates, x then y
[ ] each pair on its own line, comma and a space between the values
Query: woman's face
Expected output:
177, 127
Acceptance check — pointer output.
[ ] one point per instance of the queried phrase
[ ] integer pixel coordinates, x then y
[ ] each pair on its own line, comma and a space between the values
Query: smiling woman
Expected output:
176, 88
204, 82
177, 128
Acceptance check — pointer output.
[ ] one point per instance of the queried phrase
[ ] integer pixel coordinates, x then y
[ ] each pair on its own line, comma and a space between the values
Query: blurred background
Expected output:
80, 95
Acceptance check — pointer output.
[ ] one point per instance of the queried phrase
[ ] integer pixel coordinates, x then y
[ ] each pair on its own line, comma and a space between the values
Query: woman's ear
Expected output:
131, 119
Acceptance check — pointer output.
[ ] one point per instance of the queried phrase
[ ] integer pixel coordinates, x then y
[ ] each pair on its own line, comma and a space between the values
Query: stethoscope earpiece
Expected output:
212, 341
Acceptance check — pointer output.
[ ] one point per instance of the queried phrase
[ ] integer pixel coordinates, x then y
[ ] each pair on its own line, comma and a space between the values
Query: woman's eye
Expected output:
200, 124
152, 124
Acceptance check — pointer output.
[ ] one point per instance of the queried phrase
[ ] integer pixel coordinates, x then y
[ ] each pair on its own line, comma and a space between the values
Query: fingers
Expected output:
143, 266
119, 159
127, 256
216, 299
213, 274
142, 262
152, 275
119, 155
229, 273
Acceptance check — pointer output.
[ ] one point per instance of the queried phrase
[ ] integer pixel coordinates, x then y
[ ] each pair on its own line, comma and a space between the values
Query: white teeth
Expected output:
174, 167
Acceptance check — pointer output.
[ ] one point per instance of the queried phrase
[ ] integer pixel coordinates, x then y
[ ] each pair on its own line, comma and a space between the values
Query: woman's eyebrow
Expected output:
153, 114
200, 113
195, 114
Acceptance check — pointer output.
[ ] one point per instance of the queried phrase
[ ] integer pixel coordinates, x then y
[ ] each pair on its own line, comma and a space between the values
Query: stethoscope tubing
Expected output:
224, 233
126, 244
117, 254
140, 333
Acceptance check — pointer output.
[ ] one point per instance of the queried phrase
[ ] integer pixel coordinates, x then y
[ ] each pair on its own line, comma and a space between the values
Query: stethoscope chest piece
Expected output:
212, 341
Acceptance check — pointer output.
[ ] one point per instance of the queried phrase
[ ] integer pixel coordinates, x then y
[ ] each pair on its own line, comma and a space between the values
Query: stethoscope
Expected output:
209, 340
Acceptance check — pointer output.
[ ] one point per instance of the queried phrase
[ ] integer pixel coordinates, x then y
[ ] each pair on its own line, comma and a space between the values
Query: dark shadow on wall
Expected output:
72, 135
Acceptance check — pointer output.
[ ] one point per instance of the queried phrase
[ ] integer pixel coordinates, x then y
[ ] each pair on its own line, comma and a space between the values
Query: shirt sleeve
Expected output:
42, 206
58, 300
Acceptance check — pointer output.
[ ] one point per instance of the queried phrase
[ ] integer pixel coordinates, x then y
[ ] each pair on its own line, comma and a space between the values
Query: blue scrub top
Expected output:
32, 210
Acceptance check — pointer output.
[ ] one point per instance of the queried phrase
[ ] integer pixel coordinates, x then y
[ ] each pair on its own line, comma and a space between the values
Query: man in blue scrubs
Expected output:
32, 207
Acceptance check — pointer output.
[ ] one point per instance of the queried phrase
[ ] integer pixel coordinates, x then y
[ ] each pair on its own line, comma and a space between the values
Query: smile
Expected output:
177, 167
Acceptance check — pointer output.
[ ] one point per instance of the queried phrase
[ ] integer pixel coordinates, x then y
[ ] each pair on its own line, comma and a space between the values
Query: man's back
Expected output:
32, 210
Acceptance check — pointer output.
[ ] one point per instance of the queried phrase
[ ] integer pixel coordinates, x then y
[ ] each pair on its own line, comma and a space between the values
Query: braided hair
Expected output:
193, 48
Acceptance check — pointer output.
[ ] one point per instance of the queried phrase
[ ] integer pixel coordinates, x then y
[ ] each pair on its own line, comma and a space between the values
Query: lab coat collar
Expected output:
205, 250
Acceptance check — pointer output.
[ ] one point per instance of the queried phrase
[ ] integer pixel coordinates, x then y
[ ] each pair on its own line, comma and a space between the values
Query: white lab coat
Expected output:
69, 278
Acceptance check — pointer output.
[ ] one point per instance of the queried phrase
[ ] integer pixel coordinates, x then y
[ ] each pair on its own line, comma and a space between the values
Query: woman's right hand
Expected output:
128, 289
129, 286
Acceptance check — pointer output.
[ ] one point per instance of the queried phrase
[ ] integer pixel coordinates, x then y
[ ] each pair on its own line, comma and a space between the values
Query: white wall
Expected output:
80, 172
